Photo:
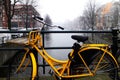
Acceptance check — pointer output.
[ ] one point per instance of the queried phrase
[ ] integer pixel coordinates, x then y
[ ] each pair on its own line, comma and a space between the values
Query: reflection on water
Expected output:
59, 40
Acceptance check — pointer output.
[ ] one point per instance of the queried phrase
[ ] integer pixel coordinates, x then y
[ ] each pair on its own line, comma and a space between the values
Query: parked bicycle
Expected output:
87, 61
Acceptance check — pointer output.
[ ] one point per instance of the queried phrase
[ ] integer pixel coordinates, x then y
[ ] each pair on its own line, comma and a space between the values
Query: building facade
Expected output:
22, 17
0, 13
107, 16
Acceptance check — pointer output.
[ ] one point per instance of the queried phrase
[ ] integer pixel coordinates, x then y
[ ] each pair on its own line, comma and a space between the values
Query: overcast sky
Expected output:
62, 10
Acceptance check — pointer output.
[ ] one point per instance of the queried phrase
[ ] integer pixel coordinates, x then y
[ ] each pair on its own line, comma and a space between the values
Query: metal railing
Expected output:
113, 32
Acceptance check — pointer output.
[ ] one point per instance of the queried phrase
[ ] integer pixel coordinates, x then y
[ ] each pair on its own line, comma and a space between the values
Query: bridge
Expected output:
7, 52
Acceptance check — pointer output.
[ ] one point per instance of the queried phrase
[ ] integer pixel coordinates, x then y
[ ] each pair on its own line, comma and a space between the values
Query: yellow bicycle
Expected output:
85, 61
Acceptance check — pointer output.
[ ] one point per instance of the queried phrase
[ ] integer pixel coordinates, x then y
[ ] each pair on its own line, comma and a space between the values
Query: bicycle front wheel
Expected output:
24, 66
103, 66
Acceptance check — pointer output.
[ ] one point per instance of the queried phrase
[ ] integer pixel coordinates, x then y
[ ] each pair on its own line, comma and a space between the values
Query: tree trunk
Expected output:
9, 23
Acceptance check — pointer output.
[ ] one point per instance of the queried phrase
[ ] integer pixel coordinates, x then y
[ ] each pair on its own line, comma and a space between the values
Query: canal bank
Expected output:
6, 57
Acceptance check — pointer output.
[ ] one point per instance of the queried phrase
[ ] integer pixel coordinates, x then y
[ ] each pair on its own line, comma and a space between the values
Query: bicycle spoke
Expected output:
24, 70
105, 70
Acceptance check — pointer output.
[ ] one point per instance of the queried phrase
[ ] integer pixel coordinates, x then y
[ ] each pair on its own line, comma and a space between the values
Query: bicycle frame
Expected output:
62, 67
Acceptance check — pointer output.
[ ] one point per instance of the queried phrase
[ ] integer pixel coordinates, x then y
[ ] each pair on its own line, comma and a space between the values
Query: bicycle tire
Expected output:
26, 71
107, 70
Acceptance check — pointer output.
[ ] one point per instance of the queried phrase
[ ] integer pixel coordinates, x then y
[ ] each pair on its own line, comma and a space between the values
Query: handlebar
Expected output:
39, 19
60, 27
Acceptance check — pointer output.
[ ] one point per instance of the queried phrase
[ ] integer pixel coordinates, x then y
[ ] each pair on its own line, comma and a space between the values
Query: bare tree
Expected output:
83, 23
26, 8
90, 15
48, 20
9, 11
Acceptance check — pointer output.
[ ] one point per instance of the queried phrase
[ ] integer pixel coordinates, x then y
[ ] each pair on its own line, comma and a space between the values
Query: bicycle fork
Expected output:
22, 61
34, 72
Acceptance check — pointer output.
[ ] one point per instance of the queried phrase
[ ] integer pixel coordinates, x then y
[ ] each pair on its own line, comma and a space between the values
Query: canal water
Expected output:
57, 40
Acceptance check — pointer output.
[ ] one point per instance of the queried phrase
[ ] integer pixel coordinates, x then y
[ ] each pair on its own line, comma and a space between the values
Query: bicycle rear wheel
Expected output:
24, 66
106, 70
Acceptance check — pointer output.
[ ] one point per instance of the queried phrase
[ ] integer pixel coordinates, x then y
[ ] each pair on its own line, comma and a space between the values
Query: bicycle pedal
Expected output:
51, 72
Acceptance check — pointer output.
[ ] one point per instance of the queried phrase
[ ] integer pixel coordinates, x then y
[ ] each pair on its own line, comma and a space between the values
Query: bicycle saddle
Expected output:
79, 38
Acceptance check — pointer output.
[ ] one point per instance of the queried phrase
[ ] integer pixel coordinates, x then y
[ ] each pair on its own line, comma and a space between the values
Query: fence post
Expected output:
114, 41
44, 63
